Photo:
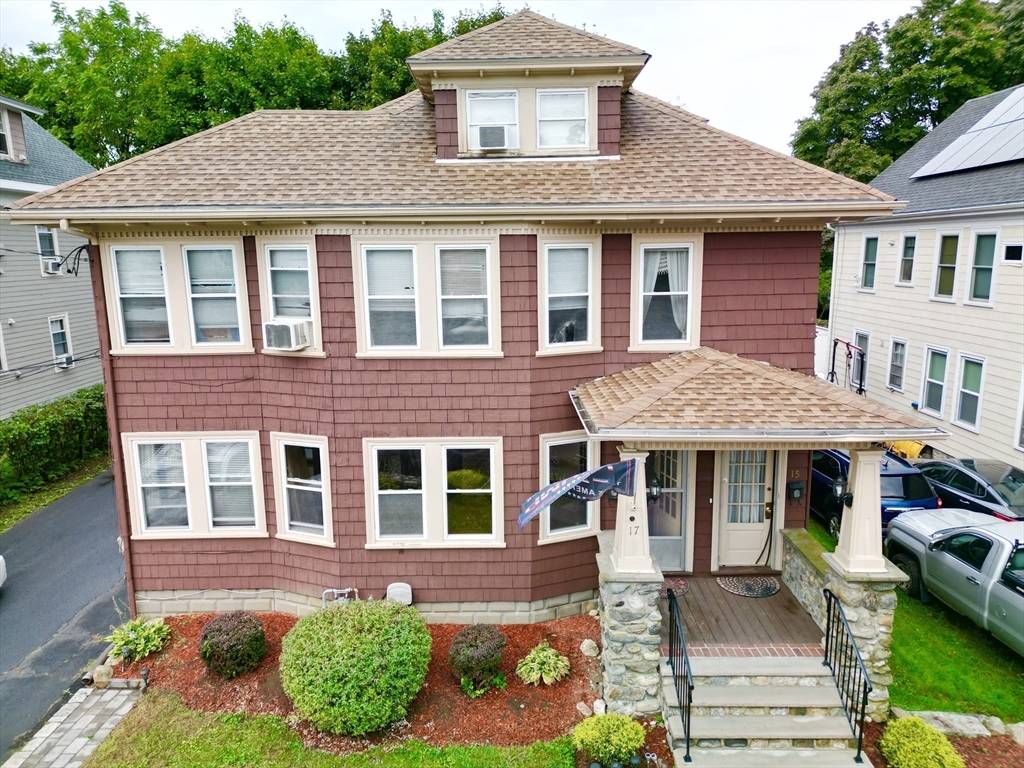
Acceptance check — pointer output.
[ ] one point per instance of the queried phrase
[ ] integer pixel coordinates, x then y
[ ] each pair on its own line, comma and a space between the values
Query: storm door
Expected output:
667, 516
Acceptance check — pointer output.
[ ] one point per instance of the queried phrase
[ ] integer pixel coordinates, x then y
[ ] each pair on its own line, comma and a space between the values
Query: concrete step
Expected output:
757, 699
770, 758
763, 732
789, 670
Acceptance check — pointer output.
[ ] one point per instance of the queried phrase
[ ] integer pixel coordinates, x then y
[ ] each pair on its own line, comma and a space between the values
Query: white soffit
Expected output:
997, 138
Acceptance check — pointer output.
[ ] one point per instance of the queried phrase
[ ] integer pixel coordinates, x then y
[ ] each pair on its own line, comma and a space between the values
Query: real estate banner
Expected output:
586, 486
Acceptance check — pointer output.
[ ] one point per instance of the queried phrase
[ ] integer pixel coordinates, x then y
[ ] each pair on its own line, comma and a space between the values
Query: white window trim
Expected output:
863, 382
39, 250
263, 246
3, 352
470, 125
278, 440
695, 243
372, 480
893, 341
196, 497
237, 294
5, 126
67, 336
962, 358
593, 507
586, 118
435, 493
969, 301
865, 236
933, 295
489, 296
593, 344
1018, 443
1013, 263
123, 339
916, 262
922, 408
416, 288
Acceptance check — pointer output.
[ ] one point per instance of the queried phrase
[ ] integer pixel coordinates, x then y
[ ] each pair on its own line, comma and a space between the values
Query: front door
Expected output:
745, 506
666, 517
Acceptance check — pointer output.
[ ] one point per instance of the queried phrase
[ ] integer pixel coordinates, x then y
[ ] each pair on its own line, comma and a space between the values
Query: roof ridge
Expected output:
691, 117
21, 202
664, 387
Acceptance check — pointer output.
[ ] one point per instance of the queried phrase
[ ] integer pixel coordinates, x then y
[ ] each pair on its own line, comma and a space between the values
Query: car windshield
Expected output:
905, 487
1011, 488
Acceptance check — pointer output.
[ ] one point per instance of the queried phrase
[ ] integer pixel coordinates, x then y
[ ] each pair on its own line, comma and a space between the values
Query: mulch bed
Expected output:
441, 713
990, 752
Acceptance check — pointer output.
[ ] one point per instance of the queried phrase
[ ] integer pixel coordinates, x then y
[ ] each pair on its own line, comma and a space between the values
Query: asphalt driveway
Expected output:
64, 572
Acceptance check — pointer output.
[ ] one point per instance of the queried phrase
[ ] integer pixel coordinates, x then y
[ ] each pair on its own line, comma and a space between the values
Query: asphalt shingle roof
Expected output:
50, 162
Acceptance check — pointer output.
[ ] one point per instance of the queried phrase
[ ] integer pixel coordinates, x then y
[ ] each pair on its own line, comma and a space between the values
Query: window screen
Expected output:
568, 286
140, 283
391, 297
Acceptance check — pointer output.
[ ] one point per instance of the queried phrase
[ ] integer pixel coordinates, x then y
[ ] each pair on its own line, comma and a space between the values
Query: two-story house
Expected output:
48, 342
935, 294
342, 348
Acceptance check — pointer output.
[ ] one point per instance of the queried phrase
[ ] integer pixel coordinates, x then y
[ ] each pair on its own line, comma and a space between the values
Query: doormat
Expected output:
679, 587
749, 586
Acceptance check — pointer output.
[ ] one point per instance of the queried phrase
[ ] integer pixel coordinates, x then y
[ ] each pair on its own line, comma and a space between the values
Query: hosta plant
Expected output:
542, 663
137, 638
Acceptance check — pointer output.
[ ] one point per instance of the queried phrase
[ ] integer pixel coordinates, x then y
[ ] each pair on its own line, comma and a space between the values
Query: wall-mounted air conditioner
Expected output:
64, 361
52, 266
492, 137
288, 335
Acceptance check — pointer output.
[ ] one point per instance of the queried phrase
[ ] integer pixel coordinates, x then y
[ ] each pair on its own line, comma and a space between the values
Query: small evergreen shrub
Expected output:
233, 643
137, 638
354, 668
607, 738
542, 663
911, 743
475, 656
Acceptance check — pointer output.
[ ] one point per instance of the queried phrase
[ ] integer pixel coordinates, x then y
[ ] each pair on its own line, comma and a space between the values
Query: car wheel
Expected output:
909, 566
834, 524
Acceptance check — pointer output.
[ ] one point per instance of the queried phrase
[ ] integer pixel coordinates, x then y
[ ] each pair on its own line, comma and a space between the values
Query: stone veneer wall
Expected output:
803, 571
630, 636
170, 602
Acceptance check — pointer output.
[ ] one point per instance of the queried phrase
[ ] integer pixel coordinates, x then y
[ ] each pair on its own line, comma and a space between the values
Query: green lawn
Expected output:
817, 530
162, 733
30, 502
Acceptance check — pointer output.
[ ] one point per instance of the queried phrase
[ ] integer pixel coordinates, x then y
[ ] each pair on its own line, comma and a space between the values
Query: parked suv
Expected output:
979, 485
903, 488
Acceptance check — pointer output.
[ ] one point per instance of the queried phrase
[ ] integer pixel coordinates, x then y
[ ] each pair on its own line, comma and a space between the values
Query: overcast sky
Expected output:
747, 65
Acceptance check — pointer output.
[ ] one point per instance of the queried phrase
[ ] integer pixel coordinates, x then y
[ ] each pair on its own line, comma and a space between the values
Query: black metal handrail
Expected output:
679, 661
848, 670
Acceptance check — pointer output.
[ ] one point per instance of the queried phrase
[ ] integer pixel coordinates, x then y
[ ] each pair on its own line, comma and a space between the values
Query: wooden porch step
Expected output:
769, 758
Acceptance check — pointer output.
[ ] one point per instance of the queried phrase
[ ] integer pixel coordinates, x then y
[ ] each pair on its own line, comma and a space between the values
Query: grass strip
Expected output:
36, 500
162, 733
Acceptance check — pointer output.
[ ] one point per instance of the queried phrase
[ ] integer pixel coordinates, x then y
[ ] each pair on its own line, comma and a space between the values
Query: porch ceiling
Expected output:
712, 396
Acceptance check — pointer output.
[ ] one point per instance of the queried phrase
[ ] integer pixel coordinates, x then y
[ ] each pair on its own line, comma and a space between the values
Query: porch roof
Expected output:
708, 395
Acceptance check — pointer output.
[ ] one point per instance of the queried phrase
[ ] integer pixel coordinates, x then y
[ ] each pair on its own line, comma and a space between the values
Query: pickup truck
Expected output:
972, 562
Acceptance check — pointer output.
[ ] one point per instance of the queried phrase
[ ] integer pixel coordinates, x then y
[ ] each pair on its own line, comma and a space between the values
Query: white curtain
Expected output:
651, 261
677, 282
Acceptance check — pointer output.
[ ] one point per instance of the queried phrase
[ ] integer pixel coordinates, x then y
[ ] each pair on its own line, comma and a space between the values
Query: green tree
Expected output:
177, 103
17, 72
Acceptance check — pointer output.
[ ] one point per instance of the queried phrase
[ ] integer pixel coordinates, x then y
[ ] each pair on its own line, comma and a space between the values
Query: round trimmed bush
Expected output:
475, 655
911, 743
354, 668
609, 738
233, 643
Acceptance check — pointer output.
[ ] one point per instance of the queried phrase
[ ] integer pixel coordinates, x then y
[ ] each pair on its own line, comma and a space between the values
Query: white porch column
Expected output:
860, 537
631, 552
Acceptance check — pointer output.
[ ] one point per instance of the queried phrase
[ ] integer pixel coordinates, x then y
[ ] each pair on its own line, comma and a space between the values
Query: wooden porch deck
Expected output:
712, 616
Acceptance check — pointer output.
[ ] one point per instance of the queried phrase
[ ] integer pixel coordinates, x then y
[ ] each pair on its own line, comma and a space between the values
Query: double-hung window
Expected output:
290, 291
493, 118
5, 141
464, 295
60, 340
302, 487
569, 295
213, 295
945, 267
391, 296
934, 384
897, 363
46, 239
665, 294
562, 119
164, 494
980, 290
562, 456
968, 400
906, 273
434, 492
230, 484
859, 364
867, 273
142, 295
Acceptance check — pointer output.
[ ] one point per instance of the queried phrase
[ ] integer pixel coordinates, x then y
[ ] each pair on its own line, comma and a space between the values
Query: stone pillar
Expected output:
869, 603
860, 537
630, 635
632, 550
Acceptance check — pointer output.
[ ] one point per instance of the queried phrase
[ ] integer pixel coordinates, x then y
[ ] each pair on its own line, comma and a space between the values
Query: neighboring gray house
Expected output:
935, 293
48, 342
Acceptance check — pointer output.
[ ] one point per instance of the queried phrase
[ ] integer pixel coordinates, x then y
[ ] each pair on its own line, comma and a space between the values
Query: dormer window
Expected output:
562, 118
493, 120
5, 139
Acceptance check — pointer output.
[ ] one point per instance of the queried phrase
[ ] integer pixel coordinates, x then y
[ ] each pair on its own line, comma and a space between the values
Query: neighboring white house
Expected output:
935, 294
48, 342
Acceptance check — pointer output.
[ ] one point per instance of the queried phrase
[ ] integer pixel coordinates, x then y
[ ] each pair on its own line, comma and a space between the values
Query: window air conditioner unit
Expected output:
64, 361
52, 266
288, 335
492, 137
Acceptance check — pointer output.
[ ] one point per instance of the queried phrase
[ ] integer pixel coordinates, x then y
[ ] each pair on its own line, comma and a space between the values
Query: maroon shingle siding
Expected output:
798, 470
703, 512
446, 121
609, 117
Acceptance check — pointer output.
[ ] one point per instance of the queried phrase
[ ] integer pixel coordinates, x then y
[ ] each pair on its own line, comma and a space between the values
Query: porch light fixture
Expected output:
655, 490
839, 488
613, 495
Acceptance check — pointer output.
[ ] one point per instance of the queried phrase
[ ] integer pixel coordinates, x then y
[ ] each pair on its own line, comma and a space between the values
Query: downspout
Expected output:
110, 399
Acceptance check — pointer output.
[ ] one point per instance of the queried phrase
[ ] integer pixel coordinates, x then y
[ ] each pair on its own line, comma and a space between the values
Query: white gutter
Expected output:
7, 185
974, 211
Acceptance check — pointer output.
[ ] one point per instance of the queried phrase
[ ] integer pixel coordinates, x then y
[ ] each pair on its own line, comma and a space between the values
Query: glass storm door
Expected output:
666, 517
745, 505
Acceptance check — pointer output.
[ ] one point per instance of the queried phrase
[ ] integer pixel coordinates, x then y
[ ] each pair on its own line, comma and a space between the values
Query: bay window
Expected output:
563, 455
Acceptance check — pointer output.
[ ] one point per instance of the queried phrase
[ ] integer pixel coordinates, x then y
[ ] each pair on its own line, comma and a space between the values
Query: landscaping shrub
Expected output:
911, 743
475, 656
607, 738
354, 668
233, 643
542, 663
138, 638
43, 443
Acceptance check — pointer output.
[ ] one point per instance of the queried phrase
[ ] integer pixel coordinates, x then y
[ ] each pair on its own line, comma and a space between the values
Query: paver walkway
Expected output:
76, 730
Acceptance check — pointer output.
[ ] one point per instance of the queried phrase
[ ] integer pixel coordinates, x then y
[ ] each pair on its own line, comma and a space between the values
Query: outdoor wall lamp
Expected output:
839, 491
613, 495
654, 492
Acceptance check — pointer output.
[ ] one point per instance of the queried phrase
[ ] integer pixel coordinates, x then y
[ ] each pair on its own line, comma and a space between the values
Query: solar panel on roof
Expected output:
997, 138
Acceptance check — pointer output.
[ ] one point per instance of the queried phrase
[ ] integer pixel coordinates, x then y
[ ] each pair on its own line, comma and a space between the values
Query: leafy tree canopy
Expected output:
113, 86
891, 85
